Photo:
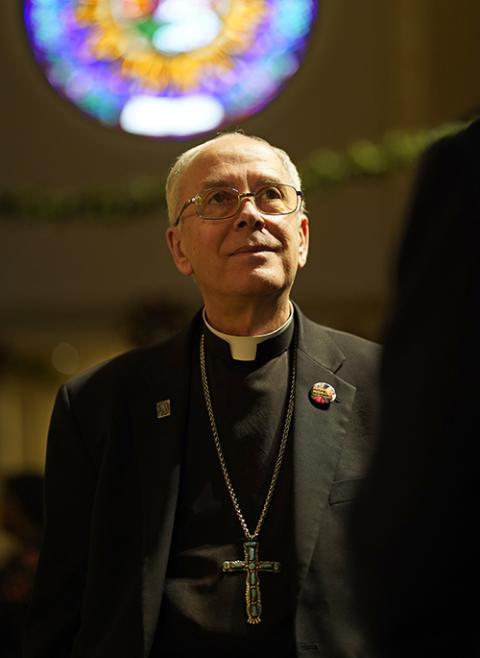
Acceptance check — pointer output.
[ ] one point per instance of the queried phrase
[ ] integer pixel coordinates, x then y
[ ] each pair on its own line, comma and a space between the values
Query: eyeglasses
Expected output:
224, 202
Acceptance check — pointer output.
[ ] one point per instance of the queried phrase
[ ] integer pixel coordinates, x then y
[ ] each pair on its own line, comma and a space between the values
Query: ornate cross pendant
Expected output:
251, 565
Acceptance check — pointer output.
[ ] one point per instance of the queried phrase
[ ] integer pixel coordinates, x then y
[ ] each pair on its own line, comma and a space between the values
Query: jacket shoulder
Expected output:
127, 374
341, 346
354, 345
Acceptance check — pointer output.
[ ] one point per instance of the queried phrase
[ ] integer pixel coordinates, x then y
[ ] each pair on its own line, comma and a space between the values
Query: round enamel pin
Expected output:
322, 394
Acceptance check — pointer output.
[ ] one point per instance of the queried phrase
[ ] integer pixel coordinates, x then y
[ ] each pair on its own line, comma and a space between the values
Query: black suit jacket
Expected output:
112, 481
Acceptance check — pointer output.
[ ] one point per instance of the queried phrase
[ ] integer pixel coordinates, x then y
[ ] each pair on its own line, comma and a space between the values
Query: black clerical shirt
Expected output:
203, 609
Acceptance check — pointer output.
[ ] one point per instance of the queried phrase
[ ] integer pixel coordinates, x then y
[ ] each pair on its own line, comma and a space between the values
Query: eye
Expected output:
276, 199
218, 197
272, 192
217, 203
214, 197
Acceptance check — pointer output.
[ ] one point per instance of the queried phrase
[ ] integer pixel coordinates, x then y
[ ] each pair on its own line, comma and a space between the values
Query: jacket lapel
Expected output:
318, 437
159, 443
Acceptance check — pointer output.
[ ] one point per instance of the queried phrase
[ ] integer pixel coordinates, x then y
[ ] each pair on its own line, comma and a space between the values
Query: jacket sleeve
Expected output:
70, 481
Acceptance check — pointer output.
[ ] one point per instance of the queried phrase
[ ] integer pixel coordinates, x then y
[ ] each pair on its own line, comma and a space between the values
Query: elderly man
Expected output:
197, 491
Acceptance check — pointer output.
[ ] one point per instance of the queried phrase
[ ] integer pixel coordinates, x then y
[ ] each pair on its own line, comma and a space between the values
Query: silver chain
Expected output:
281, 450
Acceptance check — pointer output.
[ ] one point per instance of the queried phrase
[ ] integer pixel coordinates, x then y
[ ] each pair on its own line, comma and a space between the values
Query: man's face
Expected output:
249, 254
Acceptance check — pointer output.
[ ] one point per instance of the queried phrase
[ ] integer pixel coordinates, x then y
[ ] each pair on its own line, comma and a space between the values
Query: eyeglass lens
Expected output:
220, 203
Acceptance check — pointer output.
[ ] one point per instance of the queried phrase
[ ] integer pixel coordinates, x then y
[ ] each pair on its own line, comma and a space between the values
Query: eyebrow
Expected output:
221, 182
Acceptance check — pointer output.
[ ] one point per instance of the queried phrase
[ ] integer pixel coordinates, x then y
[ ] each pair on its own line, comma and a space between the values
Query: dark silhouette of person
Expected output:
22, 518
415, 541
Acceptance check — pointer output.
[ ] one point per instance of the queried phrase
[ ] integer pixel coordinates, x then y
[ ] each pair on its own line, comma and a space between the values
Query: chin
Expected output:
259, 284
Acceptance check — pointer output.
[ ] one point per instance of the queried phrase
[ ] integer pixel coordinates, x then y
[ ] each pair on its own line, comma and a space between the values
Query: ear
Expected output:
174, 242
303, 232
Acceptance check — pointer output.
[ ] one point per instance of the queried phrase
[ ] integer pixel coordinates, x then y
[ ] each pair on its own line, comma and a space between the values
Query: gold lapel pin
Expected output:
322, 394
163, 408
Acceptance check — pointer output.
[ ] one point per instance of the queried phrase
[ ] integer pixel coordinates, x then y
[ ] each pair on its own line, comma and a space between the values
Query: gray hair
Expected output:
185, 159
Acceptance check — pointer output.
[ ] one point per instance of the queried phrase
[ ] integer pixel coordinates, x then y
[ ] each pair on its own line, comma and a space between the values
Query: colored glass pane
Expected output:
169, 68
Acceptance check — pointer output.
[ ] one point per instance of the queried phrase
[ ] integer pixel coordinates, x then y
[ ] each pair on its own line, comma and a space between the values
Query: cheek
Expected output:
291, 242
203, 253
294, 258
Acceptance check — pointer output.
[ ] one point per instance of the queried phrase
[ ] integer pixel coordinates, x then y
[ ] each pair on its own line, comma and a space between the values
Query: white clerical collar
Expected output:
244, 348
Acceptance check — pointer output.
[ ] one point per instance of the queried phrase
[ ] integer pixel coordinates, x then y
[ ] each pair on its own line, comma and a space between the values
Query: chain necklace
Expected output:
251, 565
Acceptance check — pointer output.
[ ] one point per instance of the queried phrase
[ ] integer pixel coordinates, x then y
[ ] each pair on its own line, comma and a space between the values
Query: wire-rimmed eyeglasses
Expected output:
224, 202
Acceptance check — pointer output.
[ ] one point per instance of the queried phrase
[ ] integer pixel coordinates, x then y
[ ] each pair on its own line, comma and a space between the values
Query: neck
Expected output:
247, 318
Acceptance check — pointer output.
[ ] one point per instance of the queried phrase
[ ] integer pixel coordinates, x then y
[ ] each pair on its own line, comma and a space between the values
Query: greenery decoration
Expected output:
326, 168
133, 201
322, 170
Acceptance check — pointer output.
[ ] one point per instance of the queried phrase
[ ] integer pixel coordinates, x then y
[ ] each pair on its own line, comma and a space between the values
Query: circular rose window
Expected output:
169, 68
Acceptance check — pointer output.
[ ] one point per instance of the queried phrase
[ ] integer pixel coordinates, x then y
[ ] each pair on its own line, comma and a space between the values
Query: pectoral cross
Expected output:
251, 565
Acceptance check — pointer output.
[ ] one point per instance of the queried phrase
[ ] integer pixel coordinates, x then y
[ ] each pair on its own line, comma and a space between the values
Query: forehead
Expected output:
234, 160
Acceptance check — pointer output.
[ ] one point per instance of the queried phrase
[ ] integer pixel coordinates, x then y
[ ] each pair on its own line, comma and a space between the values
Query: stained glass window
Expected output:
169, 68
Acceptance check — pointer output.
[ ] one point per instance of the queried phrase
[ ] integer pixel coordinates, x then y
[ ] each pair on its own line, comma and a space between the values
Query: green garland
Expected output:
323, 169
364, 159
108, 205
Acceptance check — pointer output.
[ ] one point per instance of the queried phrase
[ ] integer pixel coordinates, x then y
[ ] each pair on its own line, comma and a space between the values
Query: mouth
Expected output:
253, 249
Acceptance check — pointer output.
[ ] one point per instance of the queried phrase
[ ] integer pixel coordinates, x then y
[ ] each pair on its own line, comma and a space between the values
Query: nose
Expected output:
248, 213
